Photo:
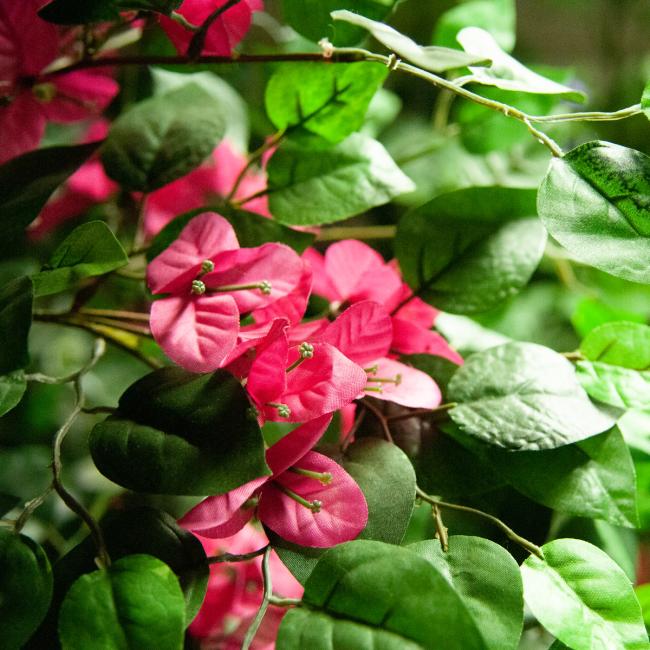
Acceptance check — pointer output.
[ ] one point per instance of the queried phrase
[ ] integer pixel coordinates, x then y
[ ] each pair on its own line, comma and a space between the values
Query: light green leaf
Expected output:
505, 72
495, 16
135, 603
25, 588
366, 594
176, 432
162, 138
635, 427
436, 59
613, 385
467, 251
16, 300
620, 344
488, 581
523, 396
384, 107
12, 389
91, 249
329, 101
592, 312
643, 594
583, 597
309, 187
594, 201
466, 335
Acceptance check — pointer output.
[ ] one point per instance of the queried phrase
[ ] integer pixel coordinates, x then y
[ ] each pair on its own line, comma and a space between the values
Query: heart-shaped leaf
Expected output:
620, 343
16, 299
614, 385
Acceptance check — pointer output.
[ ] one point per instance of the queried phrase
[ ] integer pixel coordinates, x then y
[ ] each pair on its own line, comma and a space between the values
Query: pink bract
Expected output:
329, 513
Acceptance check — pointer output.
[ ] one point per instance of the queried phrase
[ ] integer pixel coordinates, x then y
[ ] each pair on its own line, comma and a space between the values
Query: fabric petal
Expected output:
411, 338
346, 262
195, 332
417, 311
203, 238
267, 379
322, 285
414, 388
363, 332
22, 125
343, 514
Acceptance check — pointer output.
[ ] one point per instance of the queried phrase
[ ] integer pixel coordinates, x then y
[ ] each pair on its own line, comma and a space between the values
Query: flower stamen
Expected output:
323, 477
314, 505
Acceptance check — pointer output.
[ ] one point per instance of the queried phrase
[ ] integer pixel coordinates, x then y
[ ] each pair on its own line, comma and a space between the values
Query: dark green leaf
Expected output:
329, 101
309, 187
583, 597
26, 183
16, 300
7, 503
620, 344
135, 603
80, 12
91, 249
162, 138
436, 59
471, 249
367, 594
12, 389
160, 6
523, 396
176, 432
496, 16
25, 588
252, 230
438, 368
487, 579
620, 387
312, 18
594, 201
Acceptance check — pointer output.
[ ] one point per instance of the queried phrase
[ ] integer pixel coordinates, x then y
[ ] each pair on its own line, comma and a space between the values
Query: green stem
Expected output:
279, 601
443, 408
268, 594
523, 542
356, 232
30, 508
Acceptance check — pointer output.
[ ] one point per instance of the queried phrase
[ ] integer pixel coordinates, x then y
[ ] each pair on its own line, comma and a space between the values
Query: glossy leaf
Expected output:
7, 503
635, 427
91, 249
593, 201
25, 588
79, 12
488, 581
308, 187
135, 603
583, 597
179, 433
523, 396
485, 249
613, 385
162, 138
16, 299
367, 594
436, 59
26, 183
12, 389
505, 72
329, 101
620, 344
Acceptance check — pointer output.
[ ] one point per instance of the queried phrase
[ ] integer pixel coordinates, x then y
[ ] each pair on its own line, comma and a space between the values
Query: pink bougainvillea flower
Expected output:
224, 33
235, 593
308, 500
212, 180
212, 281
351, 271
29, 97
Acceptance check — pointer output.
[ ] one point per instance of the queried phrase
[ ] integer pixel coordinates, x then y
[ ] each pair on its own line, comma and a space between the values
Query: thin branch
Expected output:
231, 557
115, 313
198, 40
523, 542
443, 408
381, 417
349, 436
356, 232
268, 593
30, 508
590, 116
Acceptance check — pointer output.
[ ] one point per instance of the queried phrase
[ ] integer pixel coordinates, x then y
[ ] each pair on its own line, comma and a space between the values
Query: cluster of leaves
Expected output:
532, 460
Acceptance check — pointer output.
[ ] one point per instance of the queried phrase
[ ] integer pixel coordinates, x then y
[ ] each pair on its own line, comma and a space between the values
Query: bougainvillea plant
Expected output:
346, 336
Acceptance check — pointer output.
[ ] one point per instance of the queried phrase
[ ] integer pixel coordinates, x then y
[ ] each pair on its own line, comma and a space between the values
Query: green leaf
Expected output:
25, 588
79, 12
643, 595
592, 312
620, 344
251, 229
176, 432
12, 389
467, 251
495, 16
309, 187
583, 597
7, 502
162, 138
593, 478
312, 18
505, 72
619, 387
135, 603
594, 201
91, 249
488, 581
367, 594
387, 480
329, 101
635, 427
26, 183
436, 59
523, 396
16, 300
466, 335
